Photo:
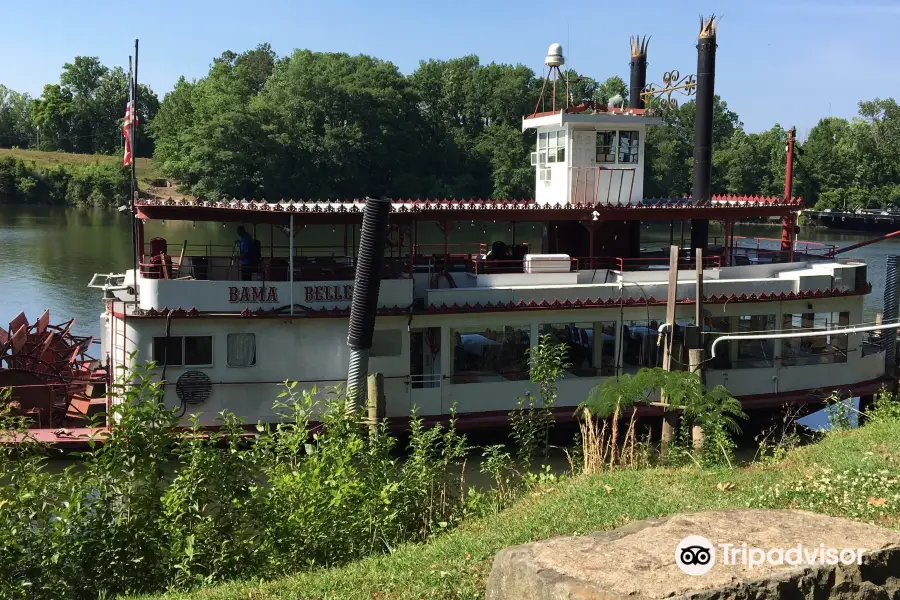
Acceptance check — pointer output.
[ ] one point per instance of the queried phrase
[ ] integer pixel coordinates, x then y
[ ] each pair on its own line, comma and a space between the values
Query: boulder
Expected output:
638, 561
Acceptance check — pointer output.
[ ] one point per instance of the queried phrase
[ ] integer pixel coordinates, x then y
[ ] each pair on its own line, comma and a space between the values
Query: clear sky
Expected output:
786, 61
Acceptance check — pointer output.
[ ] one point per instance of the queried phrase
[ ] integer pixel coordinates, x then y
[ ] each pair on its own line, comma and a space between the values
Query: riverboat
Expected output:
455, 322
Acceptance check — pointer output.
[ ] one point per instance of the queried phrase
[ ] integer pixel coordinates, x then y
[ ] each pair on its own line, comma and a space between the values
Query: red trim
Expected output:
721, 207
77, 437
596, 109
503, 307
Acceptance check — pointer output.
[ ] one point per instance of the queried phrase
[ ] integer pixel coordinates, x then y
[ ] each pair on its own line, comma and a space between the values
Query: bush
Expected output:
233, 504
97, 184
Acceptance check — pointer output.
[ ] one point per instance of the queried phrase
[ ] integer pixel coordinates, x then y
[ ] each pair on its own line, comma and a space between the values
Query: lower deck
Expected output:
478, 362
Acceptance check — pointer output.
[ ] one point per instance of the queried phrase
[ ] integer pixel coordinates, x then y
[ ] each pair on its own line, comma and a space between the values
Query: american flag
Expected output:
131, 118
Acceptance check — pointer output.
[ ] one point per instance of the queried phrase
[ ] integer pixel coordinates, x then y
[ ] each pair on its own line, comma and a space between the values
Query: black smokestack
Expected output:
703, 121
638, 70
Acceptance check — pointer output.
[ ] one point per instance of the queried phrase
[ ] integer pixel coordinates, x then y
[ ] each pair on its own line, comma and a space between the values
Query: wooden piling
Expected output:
375, 402
670, 419
695, 364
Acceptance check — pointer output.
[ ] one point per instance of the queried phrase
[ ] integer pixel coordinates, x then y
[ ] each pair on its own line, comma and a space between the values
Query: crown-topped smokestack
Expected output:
638, 70
706, 83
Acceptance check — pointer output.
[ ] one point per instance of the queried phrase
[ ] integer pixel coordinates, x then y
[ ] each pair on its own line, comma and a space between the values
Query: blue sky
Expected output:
790, 61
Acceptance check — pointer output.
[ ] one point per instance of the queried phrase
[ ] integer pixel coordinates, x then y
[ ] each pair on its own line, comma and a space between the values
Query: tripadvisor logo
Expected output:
696, 555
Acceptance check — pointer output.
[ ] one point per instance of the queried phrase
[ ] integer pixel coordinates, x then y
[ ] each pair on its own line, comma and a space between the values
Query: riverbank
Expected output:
850, 474
61, 179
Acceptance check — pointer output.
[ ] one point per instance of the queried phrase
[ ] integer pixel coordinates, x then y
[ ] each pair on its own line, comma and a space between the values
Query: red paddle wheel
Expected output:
47, 368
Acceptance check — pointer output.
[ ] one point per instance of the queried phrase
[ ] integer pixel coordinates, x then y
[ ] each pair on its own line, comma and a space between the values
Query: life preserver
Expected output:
437, 277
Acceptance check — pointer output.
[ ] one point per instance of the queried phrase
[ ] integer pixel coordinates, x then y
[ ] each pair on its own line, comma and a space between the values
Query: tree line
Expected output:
82, 113
332, 125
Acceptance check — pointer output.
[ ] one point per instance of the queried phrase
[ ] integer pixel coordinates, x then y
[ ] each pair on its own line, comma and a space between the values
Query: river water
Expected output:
48, 255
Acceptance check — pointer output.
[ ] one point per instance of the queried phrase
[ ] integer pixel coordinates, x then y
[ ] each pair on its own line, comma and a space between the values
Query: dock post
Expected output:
375, 402
695, 365
670, 418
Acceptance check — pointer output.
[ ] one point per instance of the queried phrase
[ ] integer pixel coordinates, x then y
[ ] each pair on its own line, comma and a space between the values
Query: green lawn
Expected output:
146, 170
851, 474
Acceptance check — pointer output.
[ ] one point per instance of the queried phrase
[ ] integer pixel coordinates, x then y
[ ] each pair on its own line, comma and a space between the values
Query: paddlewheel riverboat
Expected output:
456, 319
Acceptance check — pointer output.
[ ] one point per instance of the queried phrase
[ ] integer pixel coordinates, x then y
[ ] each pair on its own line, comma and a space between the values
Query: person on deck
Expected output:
249, 254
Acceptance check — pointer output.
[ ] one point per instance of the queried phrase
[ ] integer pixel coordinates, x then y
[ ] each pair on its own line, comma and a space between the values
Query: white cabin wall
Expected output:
313, 352
554, 191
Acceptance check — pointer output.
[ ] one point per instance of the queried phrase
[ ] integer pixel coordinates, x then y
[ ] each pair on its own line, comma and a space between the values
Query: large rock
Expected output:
638, 561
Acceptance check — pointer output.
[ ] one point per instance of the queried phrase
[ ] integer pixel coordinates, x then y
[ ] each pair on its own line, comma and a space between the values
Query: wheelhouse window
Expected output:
490, 355
183, 351
556, 146
386, 342
821, 349
241, 349
606, 146
580, 340
628, 147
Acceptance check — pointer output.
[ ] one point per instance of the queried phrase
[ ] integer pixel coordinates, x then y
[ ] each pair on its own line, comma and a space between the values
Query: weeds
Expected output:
156, 508
885, 407
531, 422
714, 410
775, 442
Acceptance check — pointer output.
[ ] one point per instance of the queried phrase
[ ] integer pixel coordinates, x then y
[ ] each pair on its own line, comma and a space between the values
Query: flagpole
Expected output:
134, 187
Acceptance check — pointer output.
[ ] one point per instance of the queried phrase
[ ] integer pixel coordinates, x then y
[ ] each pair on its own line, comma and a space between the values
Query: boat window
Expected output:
755, 353
639, 345
556, 146
183, 351
542, 140
241, 350
715, 327
168, 351
628, 147
749, 354
490, 355
820, 349
579, 340
386, 342
606, 146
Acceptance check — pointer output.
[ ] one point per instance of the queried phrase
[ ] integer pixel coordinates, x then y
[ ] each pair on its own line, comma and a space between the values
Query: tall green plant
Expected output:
531, 422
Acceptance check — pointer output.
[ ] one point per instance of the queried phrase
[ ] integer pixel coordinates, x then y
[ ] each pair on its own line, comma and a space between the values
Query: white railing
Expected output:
429, 380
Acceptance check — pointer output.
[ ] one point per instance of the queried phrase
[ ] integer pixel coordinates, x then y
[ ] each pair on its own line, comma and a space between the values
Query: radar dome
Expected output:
555, 56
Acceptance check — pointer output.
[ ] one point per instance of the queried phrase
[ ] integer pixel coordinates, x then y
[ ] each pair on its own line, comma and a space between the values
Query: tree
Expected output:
52, 115
670, 148
613, 86
15, 119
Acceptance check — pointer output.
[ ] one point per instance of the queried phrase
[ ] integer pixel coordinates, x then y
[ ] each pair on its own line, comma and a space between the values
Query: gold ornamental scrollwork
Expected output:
673, 83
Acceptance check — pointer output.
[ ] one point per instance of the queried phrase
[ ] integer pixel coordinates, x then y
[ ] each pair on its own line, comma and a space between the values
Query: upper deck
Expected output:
205, 279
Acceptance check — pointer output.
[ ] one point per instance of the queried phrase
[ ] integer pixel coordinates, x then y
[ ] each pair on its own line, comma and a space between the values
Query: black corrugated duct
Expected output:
364, 306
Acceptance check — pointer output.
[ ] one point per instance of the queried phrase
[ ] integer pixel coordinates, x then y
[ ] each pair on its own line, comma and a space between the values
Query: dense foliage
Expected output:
88, 184
334, 125
128, 518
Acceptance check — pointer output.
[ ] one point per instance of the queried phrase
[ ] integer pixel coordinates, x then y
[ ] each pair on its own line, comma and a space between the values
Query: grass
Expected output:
850, 473
146, 169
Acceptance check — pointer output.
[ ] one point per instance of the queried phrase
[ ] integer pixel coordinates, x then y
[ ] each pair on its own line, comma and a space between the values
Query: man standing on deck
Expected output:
249, 255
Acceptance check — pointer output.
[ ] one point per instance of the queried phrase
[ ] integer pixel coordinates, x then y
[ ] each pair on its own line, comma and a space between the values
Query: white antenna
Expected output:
569, 99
